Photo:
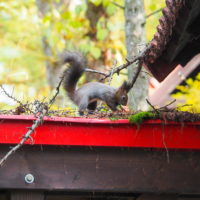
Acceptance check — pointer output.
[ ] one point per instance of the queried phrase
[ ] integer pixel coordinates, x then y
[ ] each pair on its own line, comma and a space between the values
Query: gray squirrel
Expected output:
86, 97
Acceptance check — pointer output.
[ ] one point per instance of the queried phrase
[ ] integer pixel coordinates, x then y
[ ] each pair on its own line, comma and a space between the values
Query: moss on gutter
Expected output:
138, 118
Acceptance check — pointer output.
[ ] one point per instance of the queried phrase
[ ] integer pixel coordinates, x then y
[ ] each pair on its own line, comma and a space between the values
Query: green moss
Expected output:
138, 118
114, 118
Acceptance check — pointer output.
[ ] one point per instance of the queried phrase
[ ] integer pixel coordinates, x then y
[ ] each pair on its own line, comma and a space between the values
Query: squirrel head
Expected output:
122, 94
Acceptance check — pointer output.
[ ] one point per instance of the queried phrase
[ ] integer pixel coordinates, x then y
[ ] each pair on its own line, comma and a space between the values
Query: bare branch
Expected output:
111, 75
31, 129
10, 96
95, 71
51, 101
21, 107
128, 63
116, 4
164, 107
155, 12
109, 82
130, 85
41, 111
152, 106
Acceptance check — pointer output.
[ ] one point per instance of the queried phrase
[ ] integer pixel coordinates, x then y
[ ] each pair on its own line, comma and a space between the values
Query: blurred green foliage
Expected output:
67, 26
189, 94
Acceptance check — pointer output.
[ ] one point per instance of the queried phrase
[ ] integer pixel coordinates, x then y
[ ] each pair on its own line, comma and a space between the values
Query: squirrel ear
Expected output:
125, 86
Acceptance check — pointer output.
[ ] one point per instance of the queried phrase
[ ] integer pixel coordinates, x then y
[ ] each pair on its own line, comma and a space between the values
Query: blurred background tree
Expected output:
35, 32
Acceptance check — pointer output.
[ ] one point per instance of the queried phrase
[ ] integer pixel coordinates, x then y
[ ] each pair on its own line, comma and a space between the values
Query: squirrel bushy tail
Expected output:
77, 66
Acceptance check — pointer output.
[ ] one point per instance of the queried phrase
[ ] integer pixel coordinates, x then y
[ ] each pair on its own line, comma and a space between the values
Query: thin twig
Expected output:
151, 14
116, 4
128, 63
16, 100
111, 75
147, 73
95, 71
168, 104
51, 101
40, 113
130, 85
36, 123
155, 12
185, 105
109, 82
152, 106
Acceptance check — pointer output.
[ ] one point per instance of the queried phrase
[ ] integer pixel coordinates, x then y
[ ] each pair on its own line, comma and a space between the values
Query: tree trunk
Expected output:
135, 40
53, 69
93, 14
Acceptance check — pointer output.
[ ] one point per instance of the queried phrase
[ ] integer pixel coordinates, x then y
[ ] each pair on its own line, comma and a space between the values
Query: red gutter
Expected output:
101, 132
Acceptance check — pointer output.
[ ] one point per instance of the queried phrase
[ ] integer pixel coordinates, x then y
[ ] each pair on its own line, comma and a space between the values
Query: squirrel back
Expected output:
86, 96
